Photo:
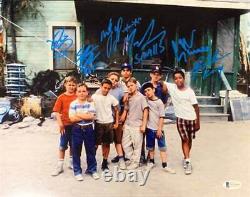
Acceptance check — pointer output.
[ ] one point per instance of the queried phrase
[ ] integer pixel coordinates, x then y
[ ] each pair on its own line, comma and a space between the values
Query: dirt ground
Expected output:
220, 153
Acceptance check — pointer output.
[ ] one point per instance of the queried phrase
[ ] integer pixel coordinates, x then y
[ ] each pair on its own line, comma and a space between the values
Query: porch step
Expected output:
211, 108
213, 117
208, 100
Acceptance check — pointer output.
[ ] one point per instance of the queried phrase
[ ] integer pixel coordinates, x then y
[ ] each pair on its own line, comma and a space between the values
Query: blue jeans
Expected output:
86, 135
65, 139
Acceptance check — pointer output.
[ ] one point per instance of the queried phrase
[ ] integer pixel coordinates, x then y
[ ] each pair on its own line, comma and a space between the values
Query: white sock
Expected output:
188, 160
60, 162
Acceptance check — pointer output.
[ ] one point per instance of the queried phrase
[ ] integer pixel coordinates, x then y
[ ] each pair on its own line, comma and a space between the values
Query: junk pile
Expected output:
43, 92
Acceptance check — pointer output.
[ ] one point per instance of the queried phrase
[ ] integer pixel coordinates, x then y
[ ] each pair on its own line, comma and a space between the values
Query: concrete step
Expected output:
213, 117
211, 108
208, 100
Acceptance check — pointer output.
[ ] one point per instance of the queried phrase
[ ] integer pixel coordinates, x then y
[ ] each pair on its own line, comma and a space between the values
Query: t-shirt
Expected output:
62, 106
156, 111
103, 105
80, 108
117, 92
136, 104
183, 101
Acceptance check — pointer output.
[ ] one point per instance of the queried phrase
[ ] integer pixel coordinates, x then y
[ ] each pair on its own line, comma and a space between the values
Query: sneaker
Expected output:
115, 159
188, 169
58, 170
150, 165
169, 170
132, 166
79, 177
122, 164
70, 165
184, 164
95, 175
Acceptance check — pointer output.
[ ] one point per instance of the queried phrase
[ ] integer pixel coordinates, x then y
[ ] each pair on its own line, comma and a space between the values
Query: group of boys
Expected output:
124, 112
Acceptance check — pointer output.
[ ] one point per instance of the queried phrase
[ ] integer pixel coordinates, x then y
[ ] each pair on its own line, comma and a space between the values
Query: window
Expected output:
64, 45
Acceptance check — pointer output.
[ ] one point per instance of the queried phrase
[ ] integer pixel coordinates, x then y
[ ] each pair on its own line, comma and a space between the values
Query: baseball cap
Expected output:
127, 66
156, 69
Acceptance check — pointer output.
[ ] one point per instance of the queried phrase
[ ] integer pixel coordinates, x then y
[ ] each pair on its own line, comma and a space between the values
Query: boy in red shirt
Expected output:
61, 108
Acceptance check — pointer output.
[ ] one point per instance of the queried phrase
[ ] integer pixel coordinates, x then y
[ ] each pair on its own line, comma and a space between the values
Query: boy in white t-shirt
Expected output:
187, 113
104, 104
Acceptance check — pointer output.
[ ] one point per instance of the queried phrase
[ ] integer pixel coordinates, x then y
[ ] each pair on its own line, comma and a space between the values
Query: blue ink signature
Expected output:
113, 34
202, 64
187, 48
61, 43
133, 24
86, 57
149, 46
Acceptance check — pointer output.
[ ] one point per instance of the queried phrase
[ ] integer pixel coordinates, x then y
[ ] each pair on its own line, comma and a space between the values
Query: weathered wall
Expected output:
32, 49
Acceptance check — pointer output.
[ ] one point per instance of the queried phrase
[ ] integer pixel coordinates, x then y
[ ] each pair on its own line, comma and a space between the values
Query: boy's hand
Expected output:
142, 129
61, 129
115, 126
159, 134
197, 126
122, 118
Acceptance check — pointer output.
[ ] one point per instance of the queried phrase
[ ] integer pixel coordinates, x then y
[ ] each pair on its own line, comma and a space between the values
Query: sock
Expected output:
188, 160
151, 160
120, 157
105, 161
164, 164
60, 162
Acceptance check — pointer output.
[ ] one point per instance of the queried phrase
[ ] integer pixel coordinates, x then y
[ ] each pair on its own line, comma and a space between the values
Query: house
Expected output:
201, 37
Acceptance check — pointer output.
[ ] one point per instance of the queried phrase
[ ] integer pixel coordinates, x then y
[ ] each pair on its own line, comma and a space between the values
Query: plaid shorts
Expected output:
186, 128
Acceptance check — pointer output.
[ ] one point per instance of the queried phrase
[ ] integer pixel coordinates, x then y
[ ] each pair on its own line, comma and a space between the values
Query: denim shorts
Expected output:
150, 140
66, 138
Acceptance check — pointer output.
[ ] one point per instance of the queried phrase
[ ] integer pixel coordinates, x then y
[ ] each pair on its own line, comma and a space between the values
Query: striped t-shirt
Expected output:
80, 108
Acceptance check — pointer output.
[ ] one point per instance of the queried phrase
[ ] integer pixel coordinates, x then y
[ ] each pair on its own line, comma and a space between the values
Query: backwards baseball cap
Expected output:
156, 69
127, 66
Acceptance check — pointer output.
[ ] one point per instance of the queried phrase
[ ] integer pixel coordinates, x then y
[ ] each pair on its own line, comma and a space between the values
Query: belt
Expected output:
84, 126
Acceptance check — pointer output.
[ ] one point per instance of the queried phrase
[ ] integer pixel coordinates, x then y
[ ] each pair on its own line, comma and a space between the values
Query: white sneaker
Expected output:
184, 164
150, 165
79, 177
95, 175
188, 169
169, 170
132, 166
58, 170
122, 165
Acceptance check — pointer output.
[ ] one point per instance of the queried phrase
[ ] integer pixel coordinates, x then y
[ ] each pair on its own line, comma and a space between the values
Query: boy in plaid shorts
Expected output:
187, 113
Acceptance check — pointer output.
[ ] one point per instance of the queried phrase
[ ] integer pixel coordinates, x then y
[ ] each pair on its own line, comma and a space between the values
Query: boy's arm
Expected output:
159, 130
197, 120
60, 123
116, 117
144, 120
124, 113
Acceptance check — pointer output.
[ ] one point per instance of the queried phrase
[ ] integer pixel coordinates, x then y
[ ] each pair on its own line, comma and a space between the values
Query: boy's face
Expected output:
149, 92
155, 77
114, 80
126, 73
105, 89
131, 87
179, 80
81, 93
70, 87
